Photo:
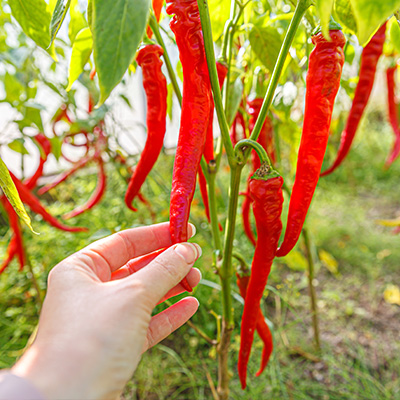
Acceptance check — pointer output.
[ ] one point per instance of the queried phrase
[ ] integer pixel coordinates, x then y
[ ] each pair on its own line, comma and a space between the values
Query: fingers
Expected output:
166, 322
116, 250
166, 271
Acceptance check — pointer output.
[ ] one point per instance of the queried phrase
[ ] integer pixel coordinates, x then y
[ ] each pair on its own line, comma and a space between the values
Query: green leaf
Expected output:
266, 44
59, 13
345, 15
370, 15
394, 34
118, 27
324, 9
56, 144
170, 100
219, 14
18, 145
90, 14
235, 97
12, 195
34, 19
81, 50
77, 20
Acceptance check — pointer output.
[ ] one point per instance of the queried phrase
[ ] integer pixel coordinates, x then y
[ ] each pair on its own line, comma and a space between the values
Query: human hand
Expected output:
96, 318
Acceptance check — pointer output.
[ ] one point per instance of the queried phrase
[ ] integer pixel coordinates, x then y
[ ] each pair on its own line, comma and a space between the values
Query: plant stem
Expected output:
301, 8
312, 292
245, 143
213, 213
39, 298
154, 27
212, 69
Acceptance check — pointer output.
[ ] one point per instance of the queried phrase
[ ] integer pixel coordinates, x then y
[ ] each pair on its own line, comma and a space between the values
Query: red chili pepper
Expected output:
16, 245
155, 86
65, 175
196, 105
97, 194
369, 61
34, 204
261, 326
239, 120
393, 116
222, 71
157, 7
246, 218
45, 144
323, 80
266, 192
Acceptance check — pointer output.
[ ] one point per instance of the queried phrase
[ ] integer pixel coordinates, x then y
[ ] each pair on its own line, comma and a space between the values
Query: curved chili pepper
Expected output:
323, 80
97, 194
265, 189
16, 245
246, 218
262, 328
196, 105
34, 204
393, 117
45, 144
65, 175
222, 71
155, 86
369, 59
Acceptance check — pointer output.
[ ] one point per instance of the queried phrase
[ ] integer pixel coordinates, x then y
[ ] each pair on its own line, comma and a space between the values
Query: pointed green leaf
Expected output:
81, 50
118, 27
12, 195
77, 21
18, 145
59, 13
370, 15
34, 19
394, 34
344, 14
324, 9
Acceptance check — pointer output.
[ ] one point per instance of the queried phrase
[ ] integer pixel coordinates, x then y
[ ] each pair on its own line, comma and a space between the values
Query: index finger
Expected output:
117, 249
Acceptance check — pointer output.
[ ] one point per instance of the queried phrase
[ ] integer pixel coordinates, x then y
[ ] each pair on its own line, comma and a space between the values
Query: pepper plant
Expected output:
235, 57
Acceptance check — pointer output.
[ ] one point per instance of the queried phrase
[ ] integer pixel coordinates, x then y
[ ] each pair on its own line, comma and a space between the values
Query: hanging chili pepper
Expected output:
369, 61
196, 105
97, 194
393, 116
45, 144
246, 218
65, 175
222, 71
157, 7
261, 326
155, 86
16, 245
34, 204
323, 80
265, 189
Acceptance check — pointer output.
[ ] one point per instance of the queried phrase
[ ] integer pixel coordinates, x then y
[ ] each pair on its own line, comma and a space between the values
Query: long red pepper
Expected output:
323, 80
97, 195
65, 175
369, 61
16, 245
222, 71
45, 144
262, 328
266, 192
246, 218
34, 204
393, 114
196, 105
155, 86
157, 7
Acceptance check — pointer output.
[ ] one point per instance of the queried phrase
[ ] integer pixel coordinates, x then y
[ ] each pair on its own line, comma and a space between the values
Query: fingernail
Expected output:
188, 251
193, 230
199, 250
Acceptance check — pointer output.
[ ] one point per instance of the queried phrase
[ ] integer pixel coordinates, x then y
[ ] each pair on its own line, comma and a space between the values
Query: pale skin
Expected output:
96, 322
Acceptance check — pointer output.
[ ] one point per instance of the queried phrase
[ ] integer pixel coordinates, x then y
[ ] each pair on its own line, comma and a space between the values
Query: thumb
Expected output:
166, 270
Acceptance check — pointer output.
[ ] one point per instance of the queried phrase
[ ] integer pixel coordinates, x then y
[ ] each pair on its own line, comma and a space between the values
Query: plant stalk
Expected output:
301, 8
312, 292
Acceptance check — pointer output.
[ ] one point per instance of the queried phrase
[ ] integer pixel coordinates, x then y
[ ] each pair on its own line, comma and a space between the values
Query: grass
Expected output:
356, 260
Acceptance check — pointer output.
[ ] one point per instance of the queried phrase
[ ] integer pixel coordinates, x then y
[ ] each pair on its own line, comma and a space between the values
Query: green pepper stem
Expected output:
154, 27
212, 68
301, 8
244, 143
